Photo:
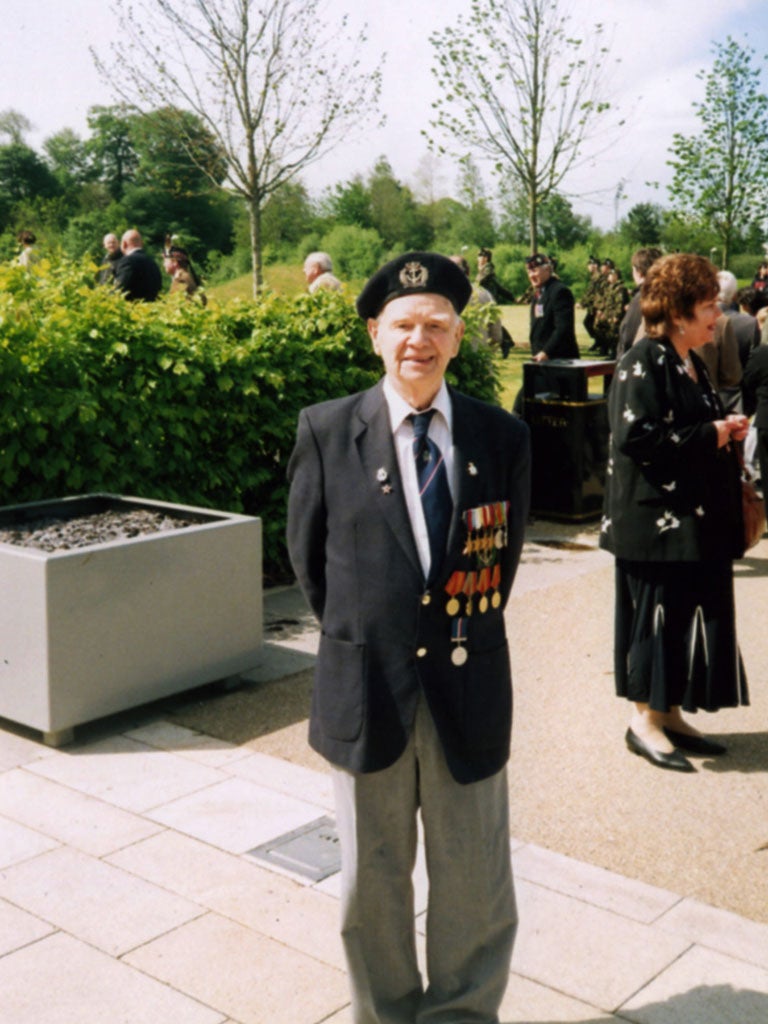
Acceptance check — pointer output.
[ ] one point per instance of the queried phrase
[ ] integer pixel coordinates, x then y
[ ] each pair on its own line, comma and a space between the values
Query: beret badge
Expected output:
414, 275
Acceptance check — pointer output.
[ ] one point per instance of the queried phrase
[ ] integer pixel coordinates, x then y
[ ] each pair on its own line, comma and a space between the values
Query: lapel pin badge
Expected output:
383, 477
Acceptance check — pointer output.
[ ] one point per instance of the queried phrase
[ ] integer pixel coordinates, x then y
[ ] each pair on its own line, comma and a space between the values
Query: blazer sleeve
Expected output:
307, 520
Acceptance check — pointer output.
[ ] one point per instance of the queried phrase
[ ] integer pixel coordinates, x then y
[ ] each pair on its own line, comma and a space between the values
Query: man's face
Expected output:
311, 271
416, 337
111, 243
538, 276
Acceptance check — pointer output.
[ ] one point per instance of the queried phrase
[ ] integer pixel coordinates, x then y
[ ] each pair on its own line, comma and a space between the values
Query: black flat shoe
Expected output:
695, 744
674, 761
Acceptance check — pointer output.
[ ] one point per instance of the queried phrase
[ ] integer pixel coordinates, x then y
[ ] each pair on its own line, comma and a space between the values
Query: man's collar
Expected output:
400, 410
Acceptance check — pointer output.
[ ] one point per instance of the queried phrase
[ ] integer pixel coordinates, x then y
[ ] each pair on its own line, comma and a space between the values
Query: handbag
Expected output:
753, 507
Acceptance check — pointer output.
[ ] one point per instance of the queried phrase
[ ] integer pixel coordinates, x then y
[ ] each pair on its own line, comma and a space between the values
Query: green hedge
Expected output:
170, 400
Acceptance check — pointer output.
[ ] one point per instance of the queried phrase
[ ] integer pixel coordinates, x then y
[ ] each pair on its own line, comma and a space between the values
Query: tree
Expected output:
269, 80
719, 174
111, 147
67, 157
643, 224
518, 88
15, 125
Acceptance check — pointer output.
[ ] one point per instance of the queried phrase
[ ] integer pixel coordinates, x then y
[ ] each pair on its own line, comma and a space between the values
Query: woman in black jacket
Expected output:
673, 520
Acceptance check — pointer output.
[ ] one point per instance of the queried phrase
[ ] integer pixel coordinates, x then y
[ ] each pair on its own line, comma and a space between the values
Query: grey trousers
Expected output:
471, 914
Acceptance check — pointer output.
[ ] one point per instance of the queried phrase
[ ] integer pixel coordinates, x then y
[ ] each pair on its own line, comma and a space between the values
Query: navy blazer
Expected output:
385, 637
554, 332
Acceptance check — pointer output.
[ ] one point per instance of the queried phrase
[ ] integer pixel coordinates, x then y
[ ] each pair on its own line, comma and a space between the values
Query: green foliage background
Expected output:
172, 400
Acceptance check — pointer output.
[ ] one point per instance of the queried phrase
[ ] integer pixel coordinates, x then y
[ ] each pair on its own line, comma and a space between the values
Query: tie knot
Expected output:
421, 421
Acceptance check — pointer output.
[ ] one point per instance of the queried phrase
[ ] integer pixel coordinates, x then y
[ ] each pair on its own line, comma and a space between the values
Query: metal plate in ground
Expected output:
312, 851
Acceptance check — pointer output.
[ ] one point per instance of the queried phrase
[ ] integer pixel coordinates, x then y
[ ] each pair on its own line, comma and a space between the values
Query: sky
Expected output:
47, 73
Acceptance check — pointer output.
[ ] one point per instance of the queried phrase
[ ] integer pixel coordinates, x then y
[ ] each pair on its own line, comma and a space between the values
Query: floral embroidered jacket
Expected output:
671, 494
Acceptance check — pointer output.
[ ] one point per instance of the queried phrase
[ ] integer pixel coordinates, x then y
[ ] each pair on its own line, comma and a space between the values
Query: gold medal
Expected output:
496, 600
453, 607
483, 605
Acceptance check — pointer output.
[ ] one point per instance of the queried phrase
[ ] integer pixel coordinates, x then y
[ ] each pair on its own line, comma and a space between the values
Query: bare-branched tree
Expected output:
518, 88
276, 84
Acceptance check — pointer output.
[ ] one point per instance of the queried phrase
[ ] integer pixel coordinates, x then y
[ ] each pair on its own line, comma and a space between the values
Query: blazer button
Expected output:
426, 598
421, 652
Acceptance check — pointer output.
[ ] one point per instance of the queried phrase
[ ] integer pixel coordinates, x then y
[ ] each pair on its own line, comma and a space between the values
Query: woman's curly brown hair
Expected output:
674, 285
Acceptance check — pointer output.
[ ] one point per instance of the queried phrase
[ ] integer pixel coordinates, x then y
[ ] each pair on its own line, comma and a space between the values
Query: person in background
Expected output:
137, 275
486, 278
412, 697
631, 328
590, 298
113, 255
673, 521
745, 326
318, 270
760, 280
494, 331
552, 329
28, 254
183, 276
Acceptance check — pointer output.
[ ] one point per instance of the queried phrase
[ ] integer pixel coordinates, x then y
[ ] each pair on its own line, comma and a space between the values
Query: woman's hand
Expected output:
733, 428
739, 426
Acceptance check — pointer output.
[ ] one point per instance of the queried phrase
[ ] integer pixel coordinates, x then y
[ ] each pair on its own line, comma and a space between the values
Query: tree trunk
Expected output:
254, 218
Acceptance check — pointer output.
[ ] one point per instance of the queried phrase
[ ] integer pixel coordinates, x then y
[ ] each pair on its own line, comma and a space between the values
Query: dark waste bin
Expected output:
569, 436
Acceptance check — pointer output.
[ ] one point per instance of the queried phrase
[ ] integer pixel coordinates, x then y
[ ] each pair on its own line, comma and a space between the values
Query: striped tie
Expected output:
433, 489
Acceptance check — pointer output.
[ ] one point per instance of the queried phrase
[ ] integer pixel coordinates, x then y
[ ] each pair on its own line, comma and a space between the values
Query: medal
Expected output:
453, 587
459, 654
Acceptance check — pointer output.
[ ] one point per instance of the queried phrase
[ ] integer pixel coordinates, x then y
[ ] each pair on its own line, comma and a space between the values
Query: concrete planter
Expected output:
92, 631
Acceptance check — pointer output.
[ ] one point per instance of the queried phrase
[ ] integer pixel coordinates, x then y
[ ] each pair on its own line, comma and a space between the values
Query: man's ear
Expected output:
460, 327
373, 330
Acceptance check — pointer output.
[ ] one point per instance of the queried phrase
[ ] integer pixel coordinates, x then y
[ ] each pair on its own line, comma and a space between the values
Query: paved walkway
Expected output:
130, 891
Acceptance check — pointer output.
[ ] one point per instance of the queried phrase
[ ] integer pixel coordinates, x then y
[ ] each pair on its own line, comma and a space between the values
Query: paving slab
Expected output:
586, 952
702, 987
94, 901
111, 770
719, 930
236, 815
62, 981
247, 976
19, 929
601, 888
18, 843
69, 817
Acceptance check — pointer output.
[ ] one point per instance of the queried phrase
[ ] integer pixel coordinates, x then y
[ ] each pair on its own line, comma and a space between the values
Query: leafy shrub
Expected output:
170, 400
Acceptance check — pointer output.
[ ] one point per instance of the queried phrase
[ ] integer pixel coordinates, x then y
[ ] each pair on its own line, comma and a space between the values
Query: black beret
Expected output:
593, 259
608, 263
411, 274
537, 259
485, 252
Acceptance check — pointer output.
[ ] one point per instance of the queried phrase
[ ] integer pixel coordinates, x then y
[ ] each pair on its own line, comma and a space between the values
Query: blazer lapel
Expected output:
379, 462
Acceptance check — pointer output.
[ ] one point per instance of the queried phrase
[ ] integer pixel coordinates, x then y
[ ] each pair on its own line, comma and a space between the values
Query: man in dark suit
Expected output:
552, 334
137, 275
412, 699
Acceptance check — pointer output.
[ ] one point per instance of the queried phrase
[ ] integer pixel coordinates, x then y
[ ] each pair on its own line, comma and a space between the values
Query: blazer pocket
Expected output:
340, 690
488, 699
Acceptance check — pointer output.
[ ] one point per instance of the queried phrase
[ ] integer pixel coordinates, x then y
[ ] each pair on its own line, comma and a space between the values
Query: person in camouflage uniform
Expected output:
615, 299
589, 297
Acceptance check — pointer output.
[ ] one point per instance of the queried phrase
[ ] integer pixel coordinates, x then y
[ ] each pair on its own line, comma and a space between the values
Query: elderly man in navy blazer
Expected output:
405, 525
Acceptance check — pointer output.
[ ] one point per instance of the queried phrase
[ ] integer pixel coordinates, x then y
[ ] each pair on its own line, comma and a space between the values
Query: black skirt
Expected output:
675, 636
